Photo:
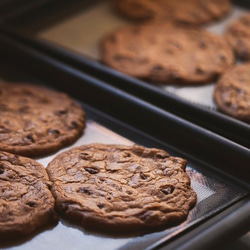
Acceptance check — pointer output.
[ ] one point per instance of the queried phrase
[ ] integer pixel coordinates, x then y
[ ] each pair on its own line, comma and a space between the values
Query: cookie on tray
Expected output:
163, 53
238, 34
35, 120
193, 12
232, 92
120, 188
26, 203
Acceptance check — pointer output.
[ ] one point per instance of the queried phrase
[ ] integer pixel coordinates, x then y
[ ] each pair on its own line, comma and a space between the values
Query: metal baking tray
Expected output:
218, 167
71, 32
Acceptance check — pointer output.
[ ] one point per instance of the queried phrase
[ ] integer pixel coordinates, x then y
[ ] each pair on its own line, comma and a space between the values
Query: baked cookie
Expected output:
232, 92
121, 188
238, 34
181, 11
164, 53
26, 203
36, 121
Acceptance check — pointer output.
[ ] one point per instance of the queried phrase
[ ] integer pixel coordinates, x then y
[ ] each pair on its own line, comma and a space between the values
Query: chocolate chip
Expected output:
84, 190
1, 170
199, 70
61, 112
31, 138
143, 176
127, 154
85, 156
239, 91
244, 53
54, 132
112, 171
100, 206
167, 190
92, 170
74, 124
31, 204
161, 156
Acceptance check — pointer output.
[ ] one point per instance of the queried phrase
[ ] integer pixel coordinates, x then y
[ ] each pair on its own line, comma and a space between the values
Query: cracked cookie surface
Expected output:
26, 203
164, 53
232, 92
181, 11
121, 188
35, 120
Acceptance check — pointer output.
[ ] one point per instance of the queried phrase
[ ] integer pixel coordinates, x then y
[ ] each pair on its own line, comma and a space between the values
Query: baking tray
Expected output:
218, 167
65, 30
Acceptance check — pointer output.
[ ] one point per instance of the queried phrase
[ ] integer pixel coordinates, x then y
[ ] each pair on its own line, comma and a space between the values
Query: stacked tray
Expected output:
81, 50
217, 166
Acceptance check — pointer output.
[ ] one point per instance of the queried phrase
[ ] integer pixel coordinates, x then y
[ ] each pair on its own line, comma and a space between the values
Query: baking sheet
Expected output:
214, 194
82, 33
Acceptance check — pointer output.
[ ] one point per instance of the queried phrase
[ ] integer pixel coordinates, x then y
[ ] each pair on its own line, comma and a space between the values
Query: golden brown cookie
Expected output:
164, 53
35, 120
26, 203
121, 188
238, 34
181, 11
232, 92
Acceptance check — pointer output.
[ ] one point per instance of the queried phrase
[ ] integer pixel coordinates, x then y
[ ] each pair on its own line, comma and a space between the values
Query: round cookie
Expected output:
36, 121
164, 53
181, 11
26, 203
121, 188
238, 34
232, 92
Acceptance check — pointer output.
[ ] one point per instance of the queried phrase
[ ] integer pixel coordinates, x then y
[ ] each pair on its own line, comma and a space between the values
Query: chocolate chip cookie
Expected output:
26, 203
165, 53
35, 120
181, 11
121, 188
232, 92
238, 34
